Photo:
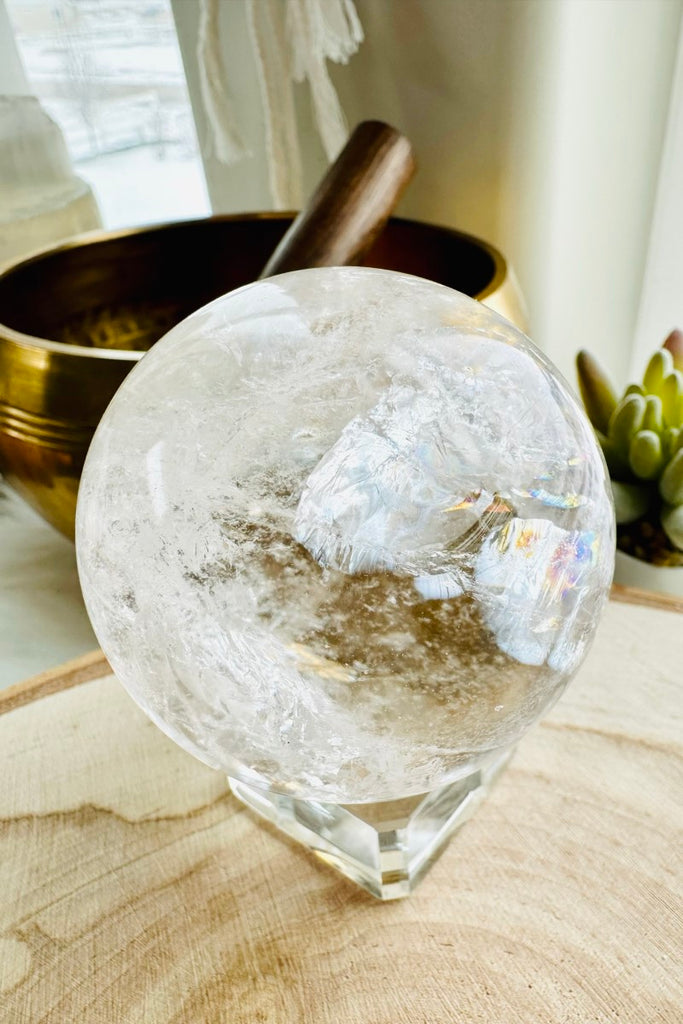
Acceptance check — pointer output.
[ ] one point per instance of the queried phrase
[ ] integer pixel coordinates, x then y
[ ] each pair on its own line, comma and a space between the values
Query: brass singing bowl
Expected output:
74, 320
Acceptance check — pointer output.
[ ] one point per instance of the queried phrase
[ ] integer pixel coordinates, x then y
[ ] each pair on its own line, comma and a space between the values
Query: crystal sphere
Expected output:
345, 534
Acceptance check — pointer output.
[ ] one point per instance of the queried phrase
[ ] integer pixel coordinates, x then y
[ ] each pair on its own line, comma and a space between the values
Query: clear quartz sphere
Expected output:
345, 533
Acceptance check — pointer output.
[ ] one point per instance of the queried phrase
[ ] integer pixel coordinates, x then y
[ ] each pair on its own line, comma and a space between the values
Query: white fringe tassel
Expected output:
225, 140
292, 41
272, 52
319, 30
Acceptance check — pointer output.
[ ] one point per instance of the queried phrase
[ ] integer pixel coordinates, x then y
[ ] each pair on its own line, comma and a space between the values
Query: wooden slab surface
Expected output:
134, 889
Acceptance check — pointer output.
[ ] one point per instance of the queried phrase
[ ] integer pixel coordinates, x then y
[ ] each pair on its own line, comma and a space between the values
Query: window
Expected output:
109, 72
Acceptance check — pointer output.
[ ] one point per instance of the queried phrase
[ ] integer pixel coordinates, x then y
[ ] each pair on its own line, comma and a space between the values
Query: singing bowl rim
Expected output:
10, 334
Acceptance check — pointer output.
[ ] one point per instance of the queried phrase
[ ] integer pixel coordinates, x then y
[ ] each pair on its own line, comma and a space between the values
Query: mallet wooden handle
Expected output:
351, 204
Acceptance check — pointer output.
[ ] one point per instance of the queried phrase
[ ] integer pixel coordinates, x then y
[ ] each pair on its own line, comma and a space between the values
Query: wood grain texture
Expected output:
648, 598
81, 670
136, 889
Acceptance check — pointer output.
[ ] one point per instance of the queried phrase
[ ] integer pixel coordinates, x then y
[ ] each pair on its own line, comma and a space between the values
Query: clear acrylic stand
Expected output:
384, 847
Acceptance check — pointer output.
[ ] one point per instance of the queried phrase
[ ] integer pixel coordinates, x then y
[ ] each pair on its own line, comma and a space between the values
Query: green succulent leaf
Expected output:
617, 463
597, 392
626, 419
671, 518
670, 441
653, 418
660, 366
671, 483
671, 392
631, 501
674, 345
645, 454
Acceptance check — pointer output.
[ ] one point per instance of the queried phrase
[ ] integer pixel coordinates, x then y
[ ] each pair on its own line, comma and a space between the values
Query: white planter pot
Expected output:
662, 579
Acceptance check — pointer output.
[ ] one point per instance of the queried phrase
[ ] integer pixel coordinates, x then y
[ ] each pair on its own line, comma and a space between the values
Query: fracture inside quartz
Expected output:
345, 531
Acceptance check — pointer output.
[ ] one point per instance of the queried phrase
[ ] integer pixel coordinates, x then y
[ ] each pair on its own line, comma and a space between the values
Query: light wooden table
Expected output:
135, 889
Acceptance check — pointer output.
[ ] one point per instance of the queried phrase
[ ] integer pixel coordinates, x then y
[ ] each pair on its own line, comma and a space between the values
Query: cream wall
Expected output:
613, 63
538, 124
661, 303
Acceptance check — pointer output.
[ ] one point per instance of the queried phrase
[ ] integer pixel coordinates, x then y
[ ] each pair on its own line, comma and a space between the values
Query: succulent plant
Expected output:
641, 435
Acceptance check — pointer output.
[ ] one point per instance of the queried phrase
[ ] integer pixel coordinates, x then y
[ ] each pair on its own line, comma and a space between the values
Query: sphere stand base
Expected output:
385, 847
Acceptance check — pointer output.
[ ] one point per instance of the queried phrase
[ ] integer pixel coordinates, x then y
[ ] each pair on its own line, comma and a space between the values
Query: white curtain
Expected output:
550, 127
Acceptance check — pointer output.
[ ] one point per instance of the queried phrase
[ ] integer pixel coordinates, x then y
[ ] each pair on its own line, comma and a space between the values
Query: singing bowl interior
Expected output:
75, 318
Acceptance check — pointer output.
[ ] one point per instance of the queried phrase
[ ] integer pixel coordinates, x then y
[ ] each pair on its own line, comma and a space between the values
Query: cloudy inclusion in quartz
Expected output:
344, 533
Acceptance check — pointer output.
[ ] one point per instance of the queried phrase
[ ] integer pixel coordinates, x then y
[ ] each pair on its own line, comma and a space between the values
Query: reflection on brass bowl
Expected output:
74, 320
